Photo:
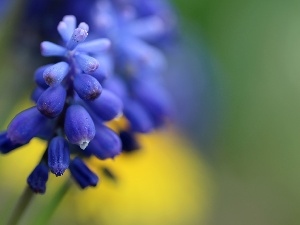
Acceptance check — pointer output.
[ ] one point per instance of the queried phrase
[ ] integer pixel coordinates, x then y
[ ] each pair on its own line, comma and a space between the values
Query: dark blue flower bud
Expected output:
106, 143
38, 178
66, 27
106, 68
139, 119
107, 106
78, 36
54, 75
87, 63
82, 174
155, 100
51, 49
116, 86
129, 142
6, 145
39, 78
58, 155
52, 101
79, 126
87, 87
26, 125
37, 92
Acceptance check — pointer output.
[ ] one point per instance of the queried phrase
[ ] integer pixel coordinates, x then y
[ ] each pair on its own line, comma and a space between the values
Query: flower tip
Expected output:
84, 144
84, 26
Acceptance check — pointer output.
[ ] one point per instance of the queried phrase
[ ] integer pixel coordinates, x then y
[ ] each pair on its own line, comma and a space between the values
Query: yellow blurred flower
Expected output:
166, 182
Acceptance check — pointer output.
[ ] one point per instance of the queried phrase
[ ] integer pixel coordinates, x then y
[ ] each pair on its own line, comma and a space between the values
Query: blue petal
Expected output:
58, 155
78, 36
105, 69
66, 27
155, 100
116, 86
147, 28
87, 87
51, 49
39, 78
87, 63
106, 143
54, 75
38, 178
139, 119
52, 101
37, 92
82, 174
94, 46
6, 145
108, 106
26, 125
79, 126
84, 26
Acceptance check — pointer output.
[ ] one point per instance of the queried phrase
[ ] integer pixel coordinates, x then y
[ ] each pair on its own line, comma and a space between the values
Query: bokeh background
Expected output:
257, 162
245, 118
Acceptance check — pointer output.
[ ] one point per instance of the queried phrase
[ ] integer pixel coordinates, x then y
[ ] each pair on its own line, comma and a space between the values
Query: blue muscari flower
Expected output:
97, 80
106, 143
26, 125
58, 155
87, 87
107, 107
38, 178
82, 174
51, 102
6, 145
79, 126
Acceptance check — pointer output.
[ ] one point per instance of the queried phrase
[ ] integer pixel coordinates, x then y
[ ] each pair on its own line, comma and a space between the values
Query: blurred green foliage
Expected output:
257, 44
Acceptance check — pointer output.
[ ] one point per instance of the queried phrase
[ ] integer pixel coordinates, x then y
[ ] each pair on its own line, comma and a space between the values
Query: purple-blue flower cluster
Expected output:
115, 70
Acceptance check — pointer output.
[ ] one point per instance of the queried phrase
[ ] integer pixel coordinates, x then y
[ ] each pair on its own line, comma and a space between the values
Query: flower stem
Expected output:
46, 213
21, 206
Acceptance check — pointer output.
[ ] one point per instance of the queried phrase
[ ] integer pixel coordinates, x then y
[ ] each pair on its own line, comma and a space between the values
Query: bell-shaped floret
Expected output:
6, 144
66, 27
116, 86
79, 126
154, 99
51, 49
87, 63
82, 174
26, 125
138, 117
36, 93
54, 75
38, 178
87, 87
106, 143
78, 36
39, 78
105, 69
52, 101
108, 106
58, 155
94, 46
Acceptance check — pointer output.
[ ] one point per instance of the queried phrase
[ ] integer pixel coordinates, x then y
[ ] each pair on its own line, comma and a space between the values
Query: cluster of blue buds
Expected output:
96, 81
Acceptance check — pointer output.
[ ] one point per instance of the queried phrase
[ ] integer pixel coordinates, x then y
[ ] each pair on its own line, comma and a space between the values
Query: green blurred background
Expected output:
257, 45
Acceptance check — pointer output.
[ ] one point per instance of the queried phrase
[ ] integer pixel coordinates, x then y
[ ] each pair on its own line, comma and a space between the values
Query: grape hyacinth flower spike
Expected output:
95, 81
69, 109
